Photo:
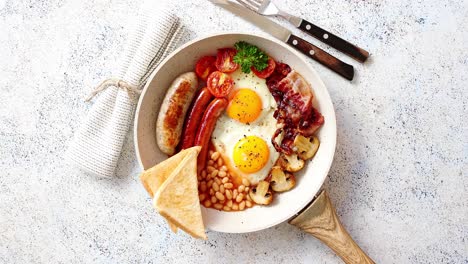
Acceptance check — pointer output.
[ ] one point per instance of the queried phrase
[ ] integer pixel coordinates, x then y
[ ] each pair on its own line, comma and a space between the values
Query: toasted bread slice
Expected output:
177, 199
154, 177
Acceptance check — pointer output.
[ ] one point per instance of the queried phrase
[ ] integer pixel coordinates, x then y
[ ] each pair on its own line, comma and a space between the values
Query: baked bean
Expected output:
234, 194
221, 188
228, 185
210, 152
203, 186
202, 197
220, 162
215, 155
220, 196
225, 179
214, 173
245, 182
215, 186
239, 197
225, 208
248, 197
223, 168
203, 174
218, 206
213, 199
235, 207
248, 204
210, 183
241, 188
222, 173
212, 192
246, 189
229, 203
207, 203
218, 181
210, 169
210, 163
199, 178
242, 205
229, 194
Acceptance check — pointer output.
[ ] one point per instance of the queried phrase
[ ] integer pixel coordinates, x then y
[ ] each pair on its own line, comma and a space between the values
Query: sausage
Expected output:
207, 125
192, 121
173, 110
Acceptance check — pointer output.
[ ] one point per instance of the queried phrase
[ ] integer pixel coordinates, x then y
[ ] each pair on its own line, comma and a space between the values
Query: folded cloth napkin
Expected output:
97, 144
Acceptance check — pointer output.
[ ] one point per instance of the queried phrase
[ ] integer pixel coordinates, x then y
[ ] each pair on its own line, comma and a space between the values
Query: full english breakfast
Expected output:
252, 121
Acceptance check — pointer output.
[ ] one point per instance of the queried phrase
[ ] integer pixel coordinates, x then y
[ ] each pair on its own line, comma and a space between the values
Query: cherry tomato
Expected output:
220, 84
267, 71
224, 60
205, 65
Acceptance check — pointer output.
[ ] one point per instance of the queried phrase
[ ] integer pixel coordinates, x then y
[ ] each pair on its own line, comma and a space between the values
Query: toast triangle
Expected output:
153, 178
177, 199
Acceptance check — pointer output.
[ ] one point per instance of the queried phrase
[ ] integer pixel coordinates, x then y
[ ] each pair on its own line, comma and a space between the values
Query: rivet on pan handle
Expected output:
320, 220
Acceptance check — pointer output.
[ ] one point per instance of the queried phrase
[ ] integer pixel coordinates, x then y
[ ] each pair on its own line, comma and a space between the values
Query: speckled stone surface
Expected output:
399, 178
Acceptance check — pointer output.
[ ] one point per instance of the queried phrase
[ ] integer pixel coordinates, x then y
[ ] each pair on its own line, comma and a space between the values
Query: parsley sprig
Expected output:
249, 55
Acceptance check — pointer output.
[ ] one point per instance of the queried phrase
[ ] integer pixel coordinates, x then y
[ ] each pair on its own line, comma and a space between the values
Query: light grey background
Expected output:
398, 181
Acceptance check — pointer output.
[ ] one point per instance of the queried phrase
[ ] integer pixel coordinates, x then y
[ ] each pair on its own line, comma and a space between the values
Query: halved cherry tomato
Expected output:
205, 65
267, 71
224, 60
219, 84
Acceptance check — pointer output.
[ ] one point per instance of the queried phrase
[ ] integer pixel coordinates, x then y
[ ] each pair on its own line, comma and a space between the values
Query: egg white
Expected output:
229, 131
251, 81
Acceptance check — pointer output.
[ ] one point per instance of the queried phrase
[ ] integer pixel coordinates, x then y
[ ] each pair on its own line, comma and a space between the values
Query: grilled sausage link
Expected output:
173, 110
207, 125
192, 122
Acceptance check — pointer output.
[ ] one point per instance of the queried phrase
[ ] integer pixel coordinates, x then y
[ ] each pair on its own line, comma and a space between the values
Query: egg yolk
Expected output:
245, 106
250, 154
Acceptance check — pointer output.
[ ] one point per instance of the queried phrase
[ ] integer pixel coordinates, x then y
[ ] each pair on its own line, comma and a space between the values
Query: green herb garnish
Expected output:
249, 55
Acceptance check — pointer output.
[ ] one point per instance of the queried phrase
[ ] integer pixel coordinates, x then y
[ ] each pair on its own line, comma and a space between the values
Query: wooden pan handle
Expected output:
320, 220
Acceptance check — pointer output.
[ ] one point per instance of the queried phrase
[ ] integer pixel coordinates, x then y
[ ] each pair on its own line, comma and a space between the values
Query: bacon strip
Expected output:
295, 113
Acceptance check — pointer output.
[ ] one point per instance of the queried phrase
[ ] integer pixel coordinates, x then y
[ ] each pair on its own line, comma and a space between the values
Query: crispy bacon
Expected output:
295, 113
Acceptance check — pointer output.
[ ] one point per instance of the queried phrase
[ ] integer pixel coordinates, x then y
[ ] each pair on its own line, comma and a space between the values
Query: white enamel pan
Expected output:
305, 205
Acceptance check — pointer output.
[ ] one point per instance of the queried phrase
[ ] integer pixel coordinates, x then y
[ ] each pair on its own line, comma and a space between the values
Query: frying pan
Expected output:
314, 214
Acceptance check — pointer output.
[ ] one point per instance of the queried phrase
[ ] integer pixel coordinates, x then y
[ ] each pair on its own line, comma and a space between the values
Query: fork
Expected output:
268, 8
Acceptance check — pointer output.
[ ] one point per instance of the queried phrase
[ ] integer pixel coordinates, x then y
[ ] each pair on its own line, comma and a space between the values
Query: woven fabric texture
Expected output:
98, 142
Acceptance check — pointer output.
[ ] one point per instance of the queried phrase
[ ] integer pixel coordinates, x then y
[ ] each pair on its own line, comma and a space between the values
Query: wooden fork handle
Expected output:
334, 41
321, 56
320, 220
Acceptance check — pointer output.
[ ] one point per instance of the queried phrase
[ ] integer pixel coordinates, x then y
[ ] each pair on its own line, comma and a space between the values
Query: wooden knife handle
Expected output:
320, 220
334, 41
317, 54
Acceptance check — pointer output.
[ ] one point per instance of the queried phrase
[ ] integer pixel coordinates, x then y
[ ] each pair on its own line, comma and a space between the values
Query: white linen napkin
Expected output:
97, 144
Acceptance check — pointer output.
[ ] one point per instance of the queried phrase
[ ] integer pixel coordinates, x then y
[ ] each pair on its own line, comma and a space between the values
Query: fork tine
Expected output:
255, 3
248, 4
259, 2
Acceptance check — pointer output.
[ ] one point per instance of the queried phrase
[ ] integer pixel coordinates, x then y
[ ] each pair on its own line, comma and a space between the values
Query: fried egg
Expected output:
243, 133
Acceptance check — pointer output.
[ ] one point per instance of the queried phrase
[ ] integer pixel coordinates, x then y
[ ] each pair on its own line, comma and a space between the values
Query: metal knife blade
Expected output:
282, 33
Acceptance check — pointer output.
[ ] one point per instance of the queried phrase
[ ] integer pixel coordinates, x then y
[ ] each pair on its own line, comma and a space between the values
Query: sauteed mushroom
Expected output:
281, 181
306, 147
261, 193
291, 162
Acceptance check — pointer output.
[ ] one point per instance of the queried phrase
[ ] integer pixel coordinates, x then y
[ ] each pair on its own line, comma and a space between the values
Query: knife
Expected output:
285, 35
